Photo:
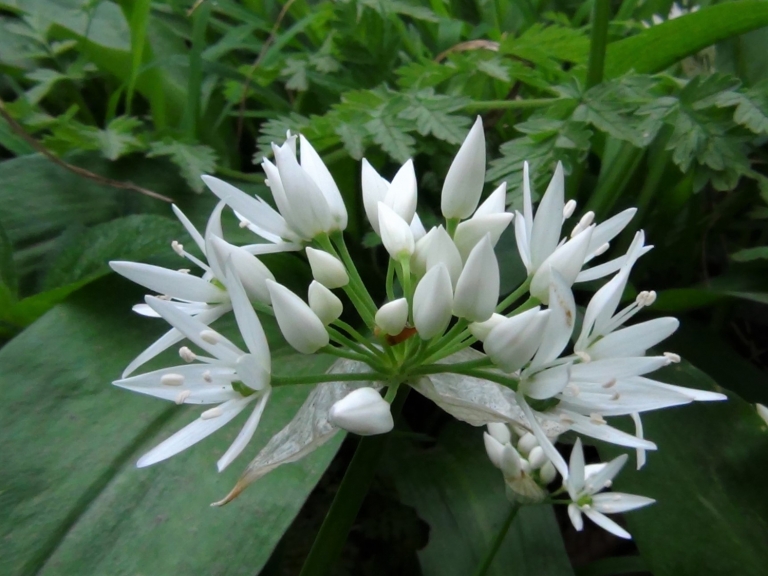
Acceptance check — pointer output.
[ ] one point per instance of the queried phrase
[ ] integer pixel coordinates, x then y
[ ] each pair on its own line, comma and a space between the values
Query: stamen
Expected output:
651, 298
207, 376
575, 390
245, 223
584, 356
565, 419
165, 297
186, 354
583, 224
596, 418
184, 270
569, 209
183, 396
172, 379
212, 413
615, 396
210, 336
178, 248
672, 358
602, 249
610, 383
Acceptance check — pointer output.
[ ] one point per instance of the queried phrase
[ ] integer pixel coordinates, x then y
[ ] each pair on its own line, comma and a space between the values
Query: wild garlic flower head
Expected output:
448, 328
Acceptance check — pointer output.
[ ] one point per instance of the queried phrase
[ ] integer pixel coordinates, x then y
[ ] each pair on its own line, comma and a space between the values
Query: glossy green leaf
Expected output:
708, 478
457, 491
72, 500
662, 45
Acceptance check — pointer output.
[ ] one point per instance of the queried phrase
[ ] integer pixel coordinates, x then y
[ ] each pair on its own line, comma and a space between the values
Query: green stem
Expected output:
391, 280
360, 339
354, 275
613, 179
319, 378
339, 338
510, 104
514, 296
332, 350
601, 15
507, 381
245, 177
329, 541
482, 569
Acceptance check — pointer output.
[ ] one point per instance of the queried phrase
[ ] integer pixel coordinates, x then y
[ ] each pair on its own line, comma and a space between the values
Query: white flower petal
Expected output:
618, 502
606, 269
500, 431
521, 238
401, 196
601, 371
576, 469
362, 411
641, 455
417, 228
392, 316
480, 330
546, 444
594, 429
374, 191
433, 303
493, 448
477, 290
442, 250
194, 432
247, 321
300, 326
324, 303
470, 232
249, 270
690, 393
608, 230
559, 328
575, 515
396, 234
175, 284
192, 379
319, 173
327, 269
463, 184
634, 340
246, 433
189, 227
514, 341
496, 203
547, 224
607, 524
566, 259
547, 383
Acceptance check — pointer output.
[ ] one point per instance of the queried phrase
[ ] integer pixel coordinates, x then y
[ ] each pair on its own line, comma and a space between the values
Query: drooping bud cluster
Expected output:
443, 305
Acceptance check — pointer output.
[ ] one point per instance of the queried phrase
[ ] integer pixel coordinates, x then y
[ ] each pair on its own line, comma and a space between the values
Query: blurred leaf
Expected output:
193, 160
8, 277
432, 114
750, 254
73, 501
708, 480
662, 45
457, 491
116, 140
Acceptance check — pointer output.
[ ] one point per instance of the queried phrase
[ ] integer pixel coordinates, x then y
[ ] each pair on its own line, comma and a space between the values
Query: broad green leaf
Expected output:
73, 501
457, 491
750, 254
193, 160
660, 46
708, 479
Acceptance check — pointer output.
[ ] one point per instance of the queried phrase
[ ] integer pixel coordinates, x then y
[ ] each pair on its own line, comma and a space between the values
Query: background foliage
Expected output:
106, 101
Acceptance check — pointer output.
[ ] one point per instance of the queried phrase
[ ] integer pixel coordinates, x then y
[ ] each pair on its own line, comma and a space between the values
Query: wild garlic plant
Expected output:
513, 362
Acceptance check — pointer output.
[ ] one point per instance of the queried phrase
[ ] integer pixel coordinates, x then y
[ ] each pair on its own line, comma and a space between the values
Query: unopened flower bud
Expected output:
391, 317
537, 458
396, 233
477, 290
527, 443
500, 431
466, 176
300, 326
494, 449
362, 411
327, 269
324, 303
480, 330
547, 472
762, 411
433, 302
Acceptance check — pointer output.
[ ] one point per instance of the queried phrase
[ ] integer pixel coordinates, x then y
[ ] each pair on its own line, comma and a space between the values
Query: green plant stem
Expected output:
509, 104
354, 276
245, 177
352, 345
390, 285
360, 339
613, 179
319, 378
333, 351
514, 296
601, 15
507, 381
333, 533
482, 569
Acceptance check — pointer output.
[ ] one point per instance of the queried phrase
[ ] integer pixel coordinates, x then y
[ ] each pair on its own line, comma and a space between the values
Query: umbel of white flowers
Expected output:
442, 329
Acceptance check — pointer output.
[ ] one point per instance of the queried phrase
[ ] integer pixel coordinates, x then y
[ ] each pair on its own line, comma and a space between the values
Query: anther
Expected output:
245, 223
651, 298
184, 270
596, 418
565, 419
615, 396
584, 356
583, 224
172, 379
178, 248
183, 395
672, 358
602, 249
186, 354
610, 383
165, 297
209, 336
569, 209
212, 413
575, 390
207, 376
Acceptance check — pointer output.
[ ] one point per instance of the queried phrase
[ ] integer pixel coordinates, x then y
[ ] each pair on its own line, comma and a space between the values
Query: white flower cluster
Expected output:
530, 385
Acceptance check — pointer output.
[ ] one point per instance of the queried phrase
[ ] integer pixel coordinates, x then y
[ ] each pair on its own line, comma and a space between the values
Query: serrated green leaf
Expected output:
392, 138
495, 68
352, 135
116, 140
751, 107
432, 115
45, 80
296, 71
193, 160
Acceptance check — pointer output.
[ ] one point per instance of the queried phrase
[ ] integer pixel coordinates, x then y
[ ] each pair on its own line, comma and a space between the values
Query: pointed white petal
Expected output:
392, 316
691, 393
477, 290
189, 227
599, 430
362, 411
493, 448
566, 259
514, 341
527, 203
278, 191
463, 184
249, 270
575, 515
319, 173
374, 191
605, 474
300, 326
576, 468
512, 465
401, 196
442, 250
496, 203
546, 444
607, 268
620, 399
173, 336
480, 330
189, 384
634, 340
193, 329
470, 232
607, 524
521, 237
559, 327
608, 230
246, 433
175, 284
545, 233
271, 248
500, 432
417, 228
641, 455
433, 302
547, 383
396, 234
421, 251
601, 371
194, 432
324, 303
247, 321
618, 502
327, 269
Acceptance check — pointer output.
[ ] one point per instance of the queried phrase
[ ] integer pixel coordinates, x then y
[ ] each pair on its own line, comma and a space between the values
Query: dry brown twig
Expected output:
29, 139
252, 70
